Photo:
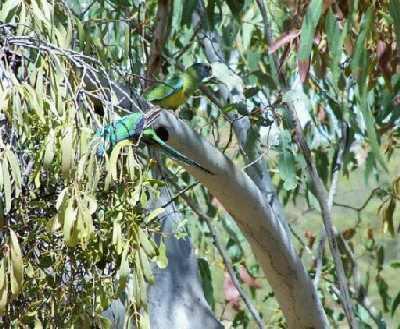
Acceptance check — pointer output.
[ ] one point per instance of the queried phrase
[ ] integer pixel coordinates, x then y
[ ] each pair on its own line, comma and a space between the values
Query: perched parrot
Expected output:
133, 127
175, 91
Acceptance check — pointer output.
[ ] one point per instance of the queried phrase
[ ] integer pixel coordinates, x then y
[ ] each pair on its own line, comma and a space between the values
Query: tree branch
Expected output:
160, 37
267, 236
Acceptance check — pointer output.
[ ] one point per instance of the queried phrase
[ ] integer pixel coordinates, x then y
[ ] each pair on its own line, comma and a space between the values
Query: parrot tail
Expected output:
151, 137
176, 155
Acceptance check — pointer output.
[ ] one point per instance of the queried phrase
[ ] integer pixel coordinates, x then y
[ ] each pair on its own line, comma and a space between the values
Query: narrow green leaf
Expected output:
6, 9
145, 243
15, 171
236, 7
359, 63
307, 34
370, 126
287, 162
335, 39
206, 281
7, 187
395, 303
123, 271
188, 8
154, 214
162, 260
142, 289
146, 266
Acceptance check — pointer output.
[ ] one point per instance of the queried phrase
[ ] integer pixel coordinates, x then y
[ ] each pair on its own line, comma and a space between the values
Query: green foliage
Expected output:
76, 224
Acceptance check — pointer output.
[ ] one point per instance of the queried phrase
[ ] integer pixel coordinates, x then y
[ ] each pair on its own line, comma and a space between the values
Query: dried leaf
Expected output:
3, 287
50, 148
283, 40
67, 151
69, 222
386, 212
7, 187
15, 171
17, 266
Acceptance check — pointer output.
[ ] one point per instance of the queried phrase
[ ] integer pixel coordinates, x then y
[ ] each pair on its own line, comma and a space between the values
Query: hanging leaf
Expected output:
146, 266
162, 260
15, 170
335, 39
141, 287
3, 286
67, 151
307, 34
287, 162
7, 187
144, 321
7, 8
154, 214
17, 266
395, 303
112, 172
188, 8
123, 271
206, 281
146, 244
386, 211
50, 148
117, 239
394, 8
236, 7
69, 222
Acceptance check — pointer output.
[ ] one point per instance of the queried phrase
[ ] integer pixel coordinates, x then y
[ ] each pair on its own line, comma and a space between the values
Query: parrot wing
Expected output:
162, 90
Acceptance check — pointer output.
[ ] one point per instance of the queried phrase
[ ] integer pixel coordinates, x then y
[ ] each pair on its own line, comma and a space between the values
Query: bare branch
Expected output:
160, 36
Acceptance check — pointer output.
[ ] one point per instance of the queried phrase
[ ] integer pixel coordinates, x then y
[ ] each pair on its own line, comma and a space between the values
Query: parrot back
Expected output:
128, 127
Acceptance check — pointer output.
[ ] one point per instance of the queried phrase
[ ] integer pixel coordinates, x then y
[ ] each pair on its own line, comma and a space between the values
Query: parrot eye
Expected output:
162, 132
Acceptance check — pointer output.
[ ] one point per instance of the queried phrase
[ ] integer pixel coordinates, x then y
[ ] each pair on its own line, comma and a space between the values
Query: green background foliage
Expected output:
74, 229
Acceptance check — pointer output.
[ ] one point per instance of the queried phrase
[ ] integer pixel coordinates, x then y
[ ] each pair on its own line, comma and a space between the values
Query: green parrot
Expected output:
175, 91
135, 127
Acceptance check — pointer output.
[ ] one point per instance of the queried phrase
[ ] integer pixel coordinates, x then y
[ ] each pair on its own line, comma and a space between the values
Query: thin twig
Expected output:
176, 196
320, 253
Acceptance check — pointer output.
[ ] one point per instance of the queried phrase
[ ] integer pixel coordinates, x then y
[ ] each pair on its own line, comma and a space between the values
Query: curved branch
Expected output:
266, 235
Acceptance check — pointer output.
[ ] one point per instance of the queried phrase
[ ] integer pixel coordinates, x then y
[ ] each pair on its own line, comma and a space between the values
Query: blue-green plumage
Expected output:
133, 127
128, 127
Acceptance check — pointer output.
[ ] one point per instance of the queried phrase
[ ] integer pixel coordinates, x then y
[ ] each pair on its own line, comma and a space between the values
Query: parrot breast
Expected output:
173, 101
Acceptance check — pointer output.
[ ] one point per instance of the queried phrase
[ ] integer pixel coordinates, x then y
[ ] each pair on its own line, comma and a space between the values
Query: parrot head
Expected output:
201, 71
